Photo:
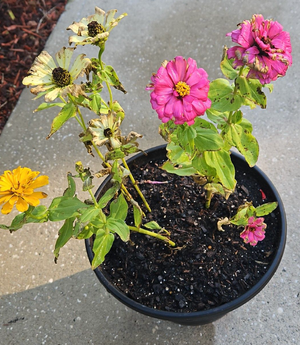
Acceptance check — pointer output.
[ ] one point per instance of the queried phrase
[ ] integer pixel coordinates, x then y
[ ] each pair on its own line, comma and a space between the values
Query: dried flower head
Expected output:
17, 188
52, 80
264, 47
95, 28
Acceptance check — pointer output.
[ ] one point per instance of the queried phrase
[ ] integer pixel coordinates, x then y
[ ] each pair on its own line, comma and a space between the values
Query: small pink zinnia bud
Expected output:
180, 91
264, 47
254, 231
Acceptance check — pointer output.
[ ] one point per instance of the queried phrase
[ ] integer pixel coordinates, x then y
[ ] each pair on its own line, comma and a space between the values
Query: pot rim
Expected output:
224, 308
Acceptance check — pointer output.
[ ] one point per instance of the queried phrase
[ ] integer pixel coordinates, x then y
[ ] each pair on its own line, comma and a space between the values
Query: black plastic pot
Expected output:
206, 316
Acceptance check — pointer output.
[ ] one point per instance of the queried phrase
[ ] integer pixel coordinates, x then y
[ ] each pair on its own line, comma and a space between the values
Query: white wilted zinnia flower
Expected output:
52, 80
95, 28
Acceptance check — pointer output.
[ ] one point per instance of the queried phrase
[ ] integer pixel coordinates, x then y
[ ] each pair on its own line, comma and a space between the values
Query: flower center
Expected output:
182, 89
107, 133
61, 77
95, 28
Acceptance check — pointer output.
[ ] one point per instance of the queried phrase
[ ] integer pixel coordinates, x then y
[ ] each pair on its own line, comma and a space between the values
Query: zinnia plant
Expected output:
197, 145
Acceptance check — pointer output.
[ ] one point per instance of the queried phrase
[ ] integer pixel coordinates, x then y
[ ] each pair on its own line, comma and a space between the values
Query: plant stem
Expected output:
209, 195
102, 48
135, 185
82, 120
234, 93
94, 199
153, 234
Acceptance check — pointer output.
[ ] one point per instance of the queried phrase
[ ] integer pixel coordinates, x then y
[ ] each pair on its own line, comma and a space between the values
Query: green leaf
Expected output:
203, 169
265, 209
64, 207
251, 91
221, 93
16, 223
215, 188
109, 74
90, 213
87, 232
243, 214
44, 106
243, 140
39, 214
138, 215
208, 140
186, 135
221, 161
177, 155
102, 245
70, 191
95, 102
217, 117
119, 208
118, 226
114, 155
64, 235
152, 225
179, 170
68, 111
226, 66
108, 195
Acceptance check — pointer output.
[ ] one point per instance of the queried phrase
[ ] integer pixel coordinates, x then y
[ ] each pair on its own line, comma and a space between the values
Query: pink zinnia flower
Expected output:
265, 48
254, 231
180, 91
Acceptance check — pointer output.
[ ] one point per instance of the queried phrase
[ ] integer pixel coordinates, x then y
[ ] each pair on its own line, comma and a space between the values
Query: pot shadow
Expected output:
78, 310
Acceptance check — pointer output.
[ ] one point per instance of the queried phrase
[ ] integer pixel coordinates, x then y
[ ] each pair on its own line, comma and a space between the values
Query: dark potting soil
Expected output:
207, 268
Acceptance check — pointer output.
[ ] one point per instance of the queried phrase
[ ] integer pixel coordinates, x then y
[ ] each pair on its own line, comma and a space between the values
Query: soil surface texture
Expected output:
208, 267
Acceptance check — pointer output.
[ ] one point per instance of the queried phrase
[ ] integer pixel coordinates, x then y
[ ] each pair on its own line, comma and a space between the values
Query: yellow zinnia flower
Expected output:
52, 80
17, 187
94, 29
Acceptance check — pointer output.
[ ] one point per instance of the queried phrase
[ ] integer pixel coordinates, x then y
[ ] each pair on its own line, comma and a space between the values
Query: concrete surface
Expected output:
44, 303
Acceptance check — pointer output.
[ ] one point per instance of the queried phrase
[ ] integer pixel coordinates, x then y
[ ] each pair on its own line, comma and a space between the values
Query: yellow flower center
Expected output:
95, 28
182, 89
61, 77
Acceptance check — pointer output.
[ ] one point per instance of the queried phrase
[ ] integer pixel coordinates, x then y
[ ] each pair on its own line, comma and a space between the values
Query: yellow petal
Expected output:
5, 198
6, 209
33, 199
40, 182
22, 205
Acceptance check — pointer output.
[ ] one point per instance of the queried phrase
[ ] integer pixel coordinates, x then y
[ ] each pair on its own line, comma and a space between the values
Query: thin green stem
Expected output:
93, 198
62, 99
136, 185
153, 234
82, 120
102, 48
234, 94
101, 155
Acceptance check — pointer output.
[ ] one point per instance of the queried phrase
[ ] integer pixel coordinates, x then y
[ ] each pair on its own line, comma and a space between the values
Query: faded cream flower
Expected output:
52, 80
106, 130
94, 29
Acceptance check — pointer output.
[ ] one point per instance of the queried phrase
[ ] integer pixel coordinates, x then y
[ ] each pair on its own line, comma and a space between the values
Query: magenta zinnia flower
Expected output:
254, 231
180, 91
264, 47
